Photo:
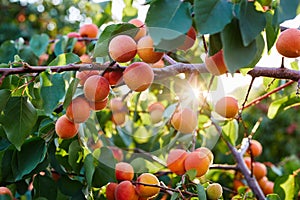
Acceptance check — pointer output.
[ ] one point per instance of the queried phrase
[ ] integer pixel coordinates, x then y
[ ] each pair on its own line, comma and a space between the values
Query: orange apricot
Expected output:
114, 77
138, 76
124, 171
79, 46
215, 64
4, 191
227, 107
96, 88
237, 183
268, 187
147, 191
255, 147
142, 28
110, 190
199, 161
158, 64
184, 120
98, 105
66, 129
119, 118
88, 30
262, 182
288, 43
122, 48
259, 169
189, 39
117, 153
146, 51
175, 161
79, 110
207, 152
86, 58
83, 75
156, 111
125, 191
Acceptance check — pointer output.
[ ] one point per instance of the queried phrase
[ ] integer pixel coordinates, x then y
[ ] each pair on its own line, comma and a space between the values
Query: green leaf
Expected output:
211, 16
235, 53
60, 46
285, 186
215, 43
230, 131
48, 192
5, 95
272, 197
24, 117
285, 10
70, 92
27, 54
282, 104
89, 169
260, 46
251, 22
167, 20
39, 43
201, 192
192, 173
101, 48
271, 30
70, 187
7, 51
75, 156
64, 59
52, 90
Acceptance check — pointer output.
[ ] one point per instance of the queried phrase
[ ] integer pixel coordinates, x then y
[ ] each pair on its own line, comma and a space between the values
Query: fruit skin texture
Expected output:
114, 77
184, 120
79, 47
5, 191
124, 171
227, 107
268, 187
117, 153
83, 75
125, 191
175, 161
142, 28
96, 88
259, 169
256, 148
146, 52
214, 191
207, 152
288, 43
110, 191
147, 191
189, 39
89, 30
138, 76
199, 161
79, 110
122, 48
66, 129
98, 105
215, 64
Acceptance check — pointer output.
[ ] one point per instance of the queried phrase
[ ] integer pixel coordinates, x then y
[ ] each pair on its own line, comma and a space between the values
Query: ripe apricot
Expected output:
214, 191
83, 75
142, 28
156, 111
125, 191
98, 105
122, 48
268, 187
96, 88
119, 118
117, 153
197, 160
79, 110
256, 148
259, 169
175, 161
237, 183
110, 190
4, 191
86, 59
114, 77
288, 43
66, 129
116, 105
227, 107
138, 76
88, 30
184, 120
79, 46
207, 152
124, 171
158, 64
215, 64
262, 182
189, 39
147, 191
146, 51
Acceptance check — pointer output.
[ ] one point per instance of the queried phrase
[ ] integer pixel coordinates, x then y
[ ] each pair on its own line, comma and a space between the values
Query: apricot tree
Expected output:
134, 110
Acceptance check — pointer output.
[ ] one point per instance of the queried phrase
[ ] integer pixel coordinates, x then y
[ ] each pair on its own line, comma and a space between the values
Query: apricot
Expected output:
4, 191
98, 105
268, 187
79, 110
116, 105
146, 51
79, 46
227, 107
207, 152
158, 64
147, 191
125, 191
237, 183
119, 118
138, 76
142, 28
117, 153
214, 191
83, 75
66, 129
156, 111
43, 58
189, 39
259, 169
122, 48
262, 182
215, 64
96, 88
86, 59
114, 77
184, 120
110, 190
88, 30
199, 161
288, 43
124, 171
256, 148
175, 161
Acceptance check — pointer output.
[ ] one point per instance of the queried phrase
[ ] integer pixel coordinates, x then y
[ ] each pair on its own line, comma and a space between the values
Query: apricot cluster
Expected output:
125, 188
180, 161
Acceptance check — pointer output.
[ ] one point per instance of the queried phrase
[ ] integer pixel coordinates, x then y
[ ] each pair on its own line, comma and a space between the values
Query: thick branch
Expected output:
279, 73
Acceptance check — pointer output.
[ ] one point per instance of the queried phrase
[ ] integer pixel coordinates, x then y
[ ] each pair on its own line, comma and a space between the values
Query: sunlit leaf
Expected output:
230, 131
64, 59
285, 187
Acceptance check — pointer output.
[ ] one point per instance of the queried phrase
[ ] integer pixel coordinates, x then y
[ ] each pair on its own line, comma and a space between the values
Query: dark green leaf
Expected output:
260, 46
39, 44
64, 59
201, 192
285, 186
211, 16
4, 94
60, 46
7, 51
271, 30
69, 187
215, 43
285, 10
44, 186
70, 92
27, 54
251, 21
24, 117
75, 156
89, 169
